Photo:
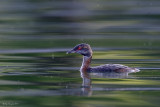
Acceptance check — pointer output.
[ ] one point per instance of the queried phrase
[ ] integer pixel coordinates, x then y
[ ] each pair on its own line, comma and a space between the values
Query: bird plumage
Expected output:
86, 51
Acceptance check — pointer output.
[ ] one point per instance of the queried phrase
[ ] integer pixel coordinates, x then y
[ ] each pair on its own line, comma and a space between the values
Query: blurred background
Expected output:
27, 24
34, 38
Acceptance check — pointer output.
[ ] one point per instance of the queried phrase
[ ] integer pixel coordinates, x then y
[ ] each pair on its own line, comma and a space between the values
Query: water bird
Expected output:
85, 50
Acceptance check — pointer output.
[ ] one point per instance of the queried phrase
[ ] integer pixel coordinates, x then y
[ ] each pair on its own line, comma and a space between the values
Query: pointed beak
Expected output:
71, 51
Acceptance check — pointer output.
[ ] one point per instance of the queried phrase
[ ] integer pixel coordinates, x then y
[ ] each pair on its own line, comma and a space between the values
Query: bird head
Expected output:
83, 49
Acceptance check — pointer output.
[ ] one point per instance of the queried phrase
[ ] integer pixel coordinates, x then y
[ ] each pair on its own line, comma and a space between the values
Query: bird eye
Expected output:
79, 48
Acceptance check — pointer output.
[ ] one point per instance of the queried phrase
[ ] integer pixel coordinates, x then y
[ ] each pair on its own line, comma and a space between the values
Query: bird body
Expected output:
86, 51
118, 68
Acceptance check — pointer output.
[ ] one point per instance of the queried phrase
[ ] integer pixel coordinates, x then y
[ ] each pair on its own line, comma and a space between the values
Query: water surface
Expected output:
34, 38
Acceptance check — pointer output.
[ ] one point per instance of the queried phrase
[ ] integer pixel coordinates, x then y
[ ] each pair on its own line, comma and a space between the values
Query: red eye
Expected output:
79, 48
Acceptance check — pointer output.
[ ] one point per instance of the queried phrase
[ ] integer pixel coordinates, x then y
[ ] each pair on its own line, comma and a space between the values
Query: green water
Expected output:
35, 70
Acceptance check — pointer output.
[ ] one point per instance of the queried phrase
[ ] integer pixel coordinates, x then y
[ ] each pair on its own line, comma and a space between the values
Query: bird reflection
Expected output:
86, 90
87, 86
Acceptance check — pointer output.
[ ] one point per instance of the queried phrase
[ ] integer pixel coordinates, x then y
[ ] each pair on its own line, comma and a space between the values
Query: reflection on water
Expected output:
110, 75
35, 34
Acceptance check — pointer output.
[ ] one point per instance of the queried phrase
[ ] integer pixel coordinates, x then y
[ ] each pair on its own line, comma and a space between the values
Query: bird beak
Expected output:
71, 51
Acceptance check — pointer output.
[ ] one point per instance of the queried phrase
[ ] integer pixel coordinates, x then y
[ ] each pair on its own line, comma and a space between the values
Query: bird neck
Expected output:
85, 65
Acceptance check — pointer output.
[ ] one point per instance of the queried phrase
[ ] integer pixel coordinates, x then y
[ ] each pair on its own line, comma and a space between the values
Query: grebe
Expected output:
86, 51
